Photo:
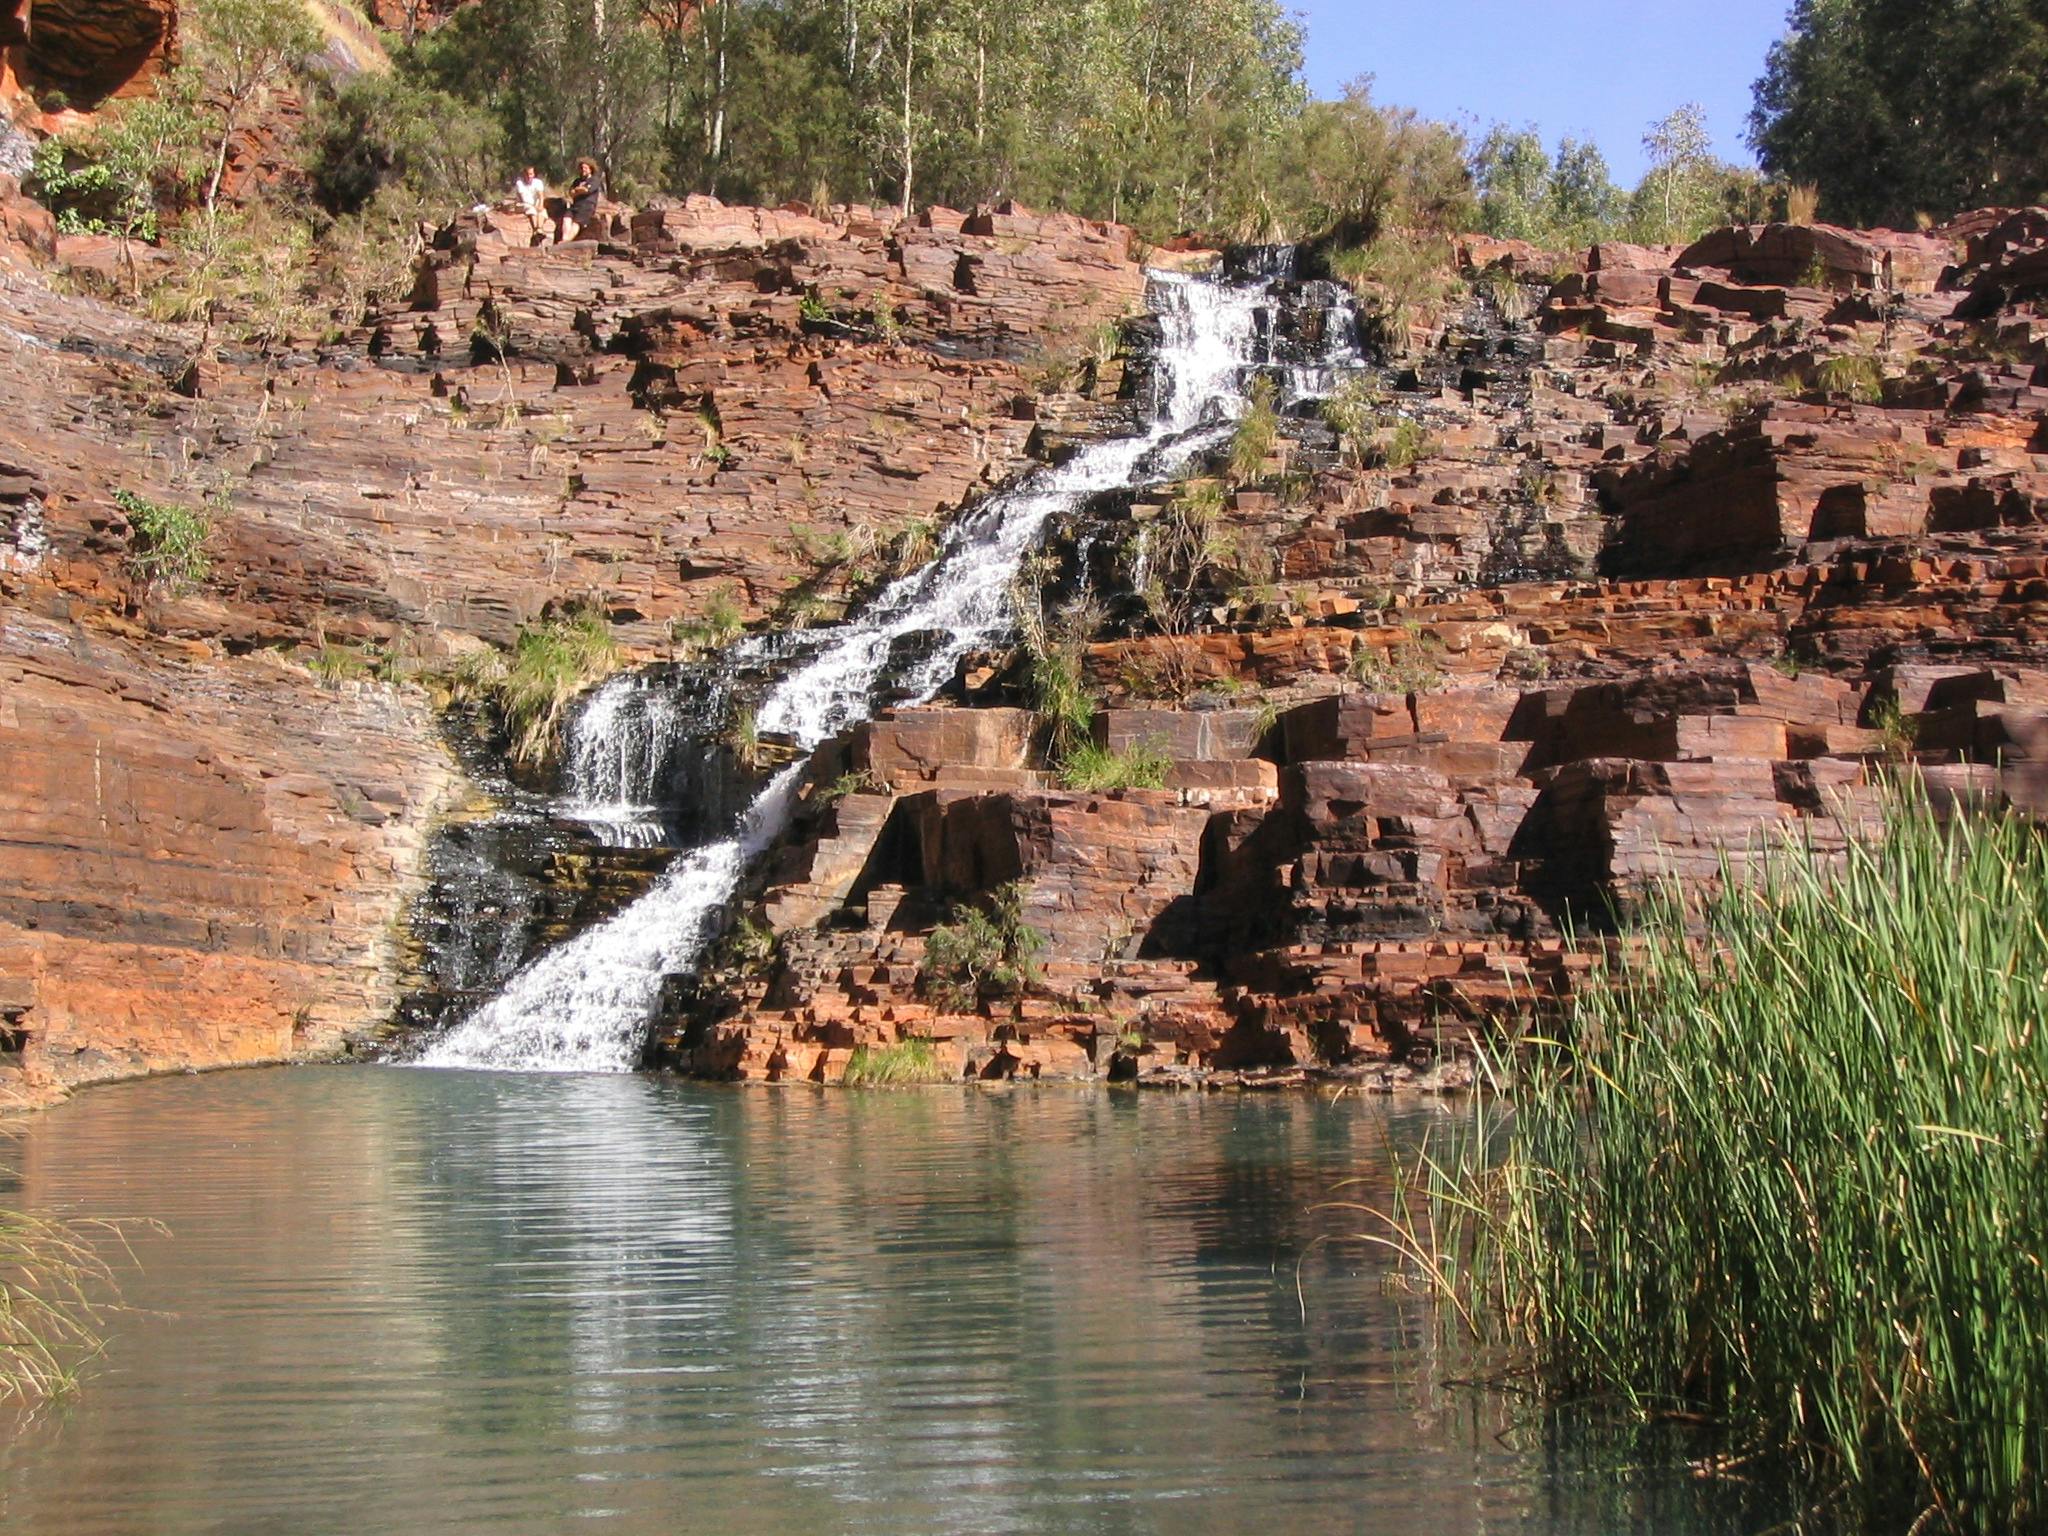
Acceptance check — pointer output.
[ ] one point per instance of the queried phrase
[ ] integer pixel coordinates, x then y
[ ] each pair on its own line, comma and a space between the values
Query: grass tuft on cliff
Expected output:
1095, 769
890, 1066
530, 686
1797, 1185
1257, 432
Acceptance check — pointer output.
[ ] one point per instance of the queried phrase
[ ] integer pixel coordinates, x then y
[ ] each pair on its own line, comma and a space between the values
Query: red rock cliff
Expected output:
204, 851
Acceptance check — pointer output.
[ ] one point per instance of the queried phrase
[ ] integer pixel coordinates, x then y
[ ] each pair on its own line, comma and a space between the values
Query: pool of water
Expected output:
384, 1300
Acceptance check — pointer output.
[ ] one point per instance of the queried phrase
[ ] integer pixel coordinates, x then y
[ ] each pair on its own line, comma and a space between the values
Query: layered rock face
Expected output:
1679, 557
77, 53
207, 849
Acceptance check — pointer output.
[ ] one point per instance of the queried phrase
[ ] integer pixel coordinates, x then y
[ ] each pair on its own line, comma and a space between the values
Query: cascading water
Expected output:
584, 1006
619, 759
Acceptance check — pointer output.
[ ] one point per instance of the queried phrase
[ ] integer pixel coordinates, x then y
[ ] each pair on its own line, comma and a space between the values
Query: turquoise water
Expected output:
394, 1301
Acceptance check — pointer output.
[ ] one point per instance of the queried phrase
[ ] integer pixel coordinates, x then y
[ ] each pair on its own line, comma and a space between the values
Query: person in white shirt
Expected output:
532, 193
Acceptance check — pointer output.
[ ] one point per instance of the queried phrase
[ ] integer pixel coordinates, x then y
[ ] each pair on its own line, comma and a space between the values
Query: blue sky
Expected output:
1598, 68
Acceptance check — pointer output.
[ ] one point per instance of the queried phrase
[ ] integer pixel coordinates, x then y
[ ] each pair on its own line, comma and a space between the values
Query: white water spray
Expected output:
618, 758
585, 1005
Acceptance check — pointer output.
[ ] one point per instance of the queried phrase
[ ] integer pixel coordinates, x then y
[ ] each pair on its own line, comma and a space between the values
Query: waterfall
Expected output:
618, 759
585, 1005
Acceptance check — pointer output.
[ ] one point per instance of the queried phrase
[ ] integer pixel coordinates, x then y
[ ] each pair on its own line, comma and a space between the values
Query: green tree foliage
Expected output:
373, 135
1555, 202
563, 78
137, 157
1357, 170
1896, 107
1166, 113
241, 51
1678, 198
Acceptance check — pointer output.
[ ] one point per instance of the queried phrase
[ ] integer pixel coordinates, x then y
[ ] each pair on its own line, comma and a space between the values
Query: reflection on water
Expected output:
402, 1301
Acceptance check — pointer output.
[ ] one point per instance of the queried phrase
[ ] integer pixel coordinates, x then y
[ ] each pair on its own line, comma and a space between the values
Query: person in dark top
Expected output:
584, 192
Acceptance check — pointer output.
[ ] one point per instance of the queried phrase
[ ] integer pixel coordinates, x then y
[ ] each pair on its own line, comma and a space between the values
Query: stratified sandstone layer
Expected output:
206, 851
1701, 545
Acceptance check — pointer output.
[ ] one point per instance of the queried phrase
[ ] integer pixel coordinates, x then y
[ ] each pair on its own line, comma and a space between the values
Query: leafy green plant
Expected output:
1842, 1095
985, 951
1401, 277
1897, 731
1372, 436
250, 269
1540, 487
743, 739
914, 545
1404, 444
853, 782
1353, 413
530, 687
813, 309
749, 947
889, 1066
1055, 649
1094, 768
166, 542
137, 157
1505, 292
805, 607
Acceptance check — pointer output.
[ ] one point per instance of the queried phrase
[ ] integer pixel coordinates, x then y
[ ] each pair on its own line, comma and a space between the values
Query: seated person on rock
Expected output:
531, 192
584, 192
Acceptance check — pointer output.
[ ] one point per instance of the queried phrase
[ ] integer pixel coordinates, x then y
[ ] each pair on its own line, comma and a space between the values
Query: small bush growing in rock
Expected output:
166, 542
1372, 436
1411, 665
1401, 278
337, 664
749, 946
1506, 292
861, 782
1898, 731
985, 951
718, 625
1055, 647
1856, 375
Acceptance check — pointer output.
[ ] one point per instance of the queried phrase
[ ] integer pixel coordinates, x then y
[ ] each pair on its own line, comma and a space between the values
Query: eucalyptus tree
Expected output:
242, 51
1900, 107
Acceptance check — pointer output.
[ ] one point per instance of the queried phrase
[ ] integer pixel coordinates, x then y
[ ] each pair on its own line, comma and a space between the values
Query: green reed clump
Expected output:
531, 686
1797, 1180
1857, 375
52, 1282
886, 1066
1093, 768
1258, 431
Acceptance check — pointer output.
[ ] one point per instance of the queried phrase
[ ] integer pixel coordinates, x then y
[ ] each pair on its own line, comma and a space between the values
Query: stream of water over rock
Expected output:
584, 1005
